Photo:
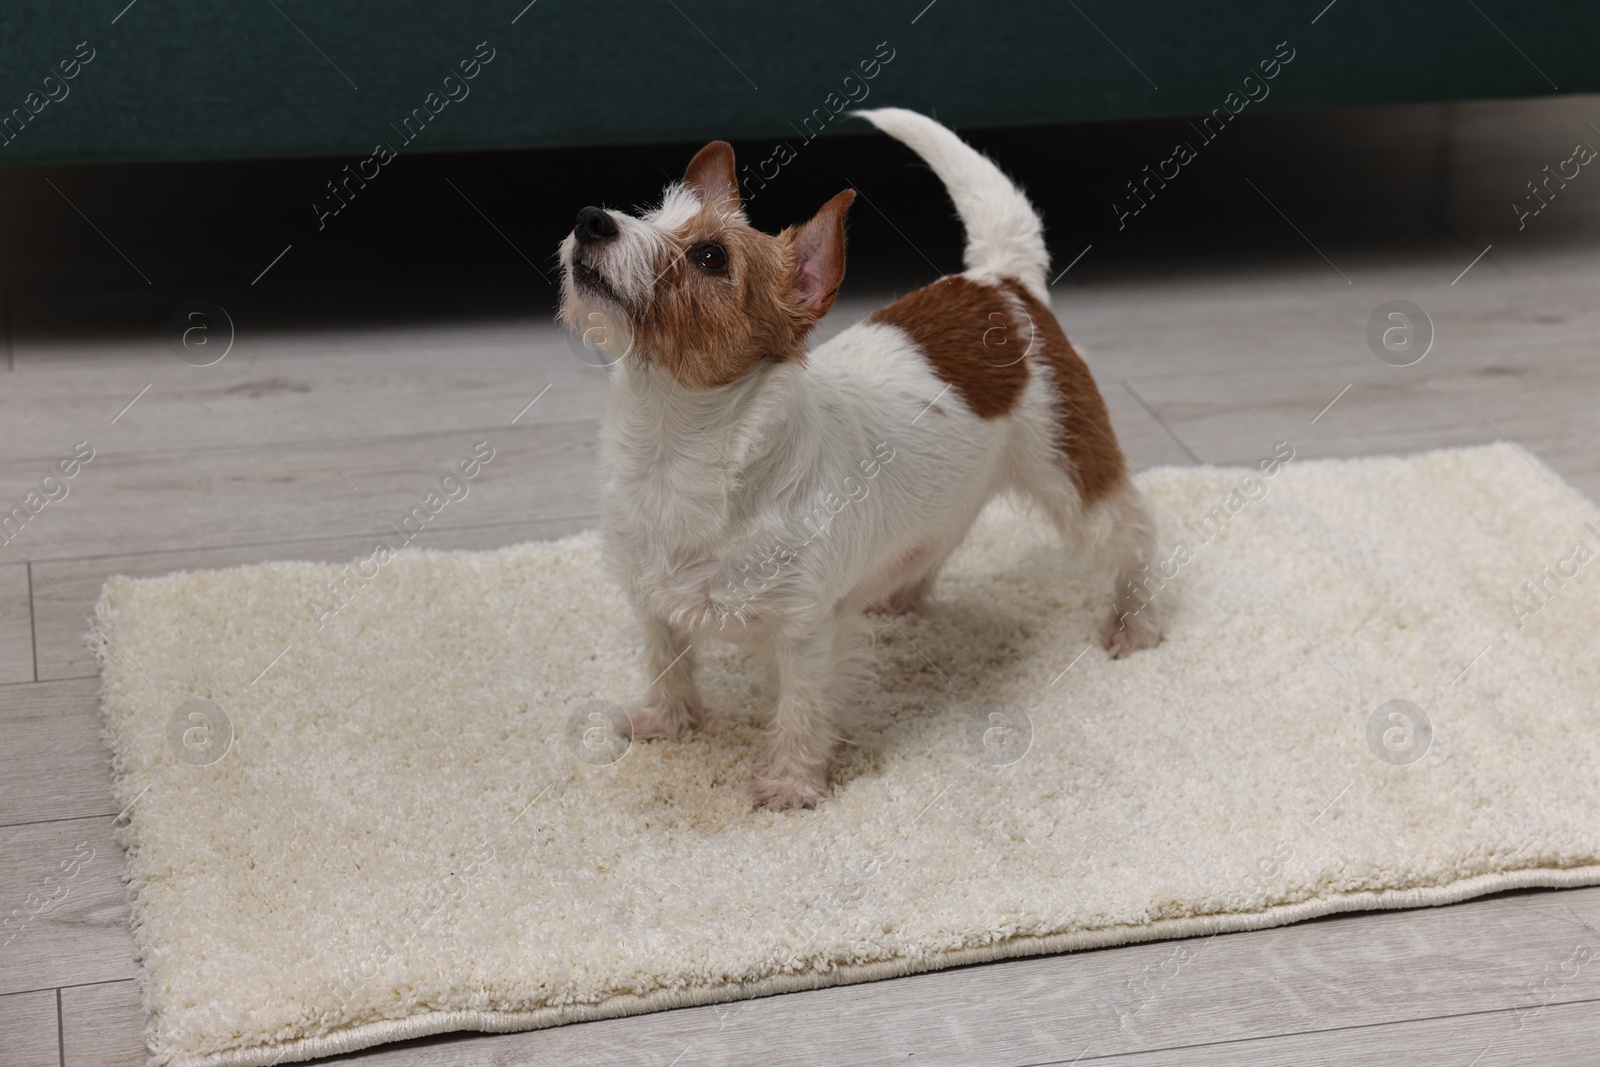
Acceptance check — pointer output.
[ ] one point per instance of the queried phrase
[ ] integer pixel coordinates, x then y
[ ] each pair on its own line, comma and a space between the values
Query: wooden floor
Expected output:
301, 442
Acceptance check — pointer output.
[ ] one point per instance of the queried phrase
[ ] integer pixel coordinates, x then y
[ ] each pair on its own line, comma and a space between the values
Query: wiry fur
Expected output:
771, 496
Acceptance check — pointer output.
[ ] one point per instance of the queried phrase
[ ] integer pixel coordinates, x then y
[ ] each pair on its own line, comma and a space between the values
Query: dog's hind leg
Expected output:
1114, 537
1134, 621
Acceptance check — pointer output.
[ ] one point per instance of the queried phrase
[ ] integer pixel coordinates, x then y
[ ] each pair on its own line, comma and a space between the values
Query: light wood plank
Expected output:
1286, 319
68, 589
103, 1026
61, 885
16, 625
28, 1033
473, 382
1563, 1034
152, 501
1541, 398
64, 328
53, 765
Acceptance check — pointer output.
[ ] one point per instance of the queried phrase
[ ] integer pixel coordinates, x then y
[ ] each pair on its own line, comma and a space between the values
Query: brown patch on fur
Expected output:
710, 328
712, 176
972, 337
1089, 448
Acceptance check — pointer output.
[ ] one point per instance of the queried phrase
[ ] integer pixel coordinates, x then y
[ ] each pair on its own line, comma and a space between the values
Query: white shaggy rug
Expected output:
413, 819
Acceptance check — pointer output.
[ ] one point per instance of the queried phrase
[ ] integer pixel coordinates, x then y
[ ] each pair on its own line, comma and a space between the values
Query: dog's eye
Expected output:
710, 256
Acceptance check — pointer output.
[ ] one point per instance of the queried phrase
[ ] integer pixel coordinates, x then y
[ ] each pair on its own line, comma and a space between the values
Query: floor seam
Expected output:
47, 681
33, 623
84, 985
256, 446
64, 818
1303, 1033
1162, 423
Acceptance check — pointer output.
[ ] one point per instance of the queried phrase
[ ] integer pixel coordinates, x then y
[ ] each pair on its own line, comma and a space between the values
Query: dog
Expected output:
776, 496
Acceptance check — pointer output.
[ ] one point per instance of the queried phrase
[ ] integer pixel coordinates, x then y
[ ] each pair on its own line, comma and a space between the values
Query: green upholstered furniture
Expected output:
180, 79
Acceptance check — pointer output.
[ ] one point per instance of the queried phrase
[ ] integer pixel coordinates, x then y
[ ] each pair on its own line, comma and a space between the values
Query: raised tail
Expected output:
1004, 233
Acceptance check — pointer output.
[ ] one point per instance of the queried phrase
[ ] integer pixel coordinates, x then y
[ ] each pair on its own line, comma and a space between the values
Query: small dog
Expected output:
773, 495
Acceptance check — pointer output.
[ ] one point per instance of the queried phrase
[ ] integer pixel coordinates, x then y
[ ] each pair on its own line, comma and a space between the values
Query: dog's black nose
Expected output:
593, 225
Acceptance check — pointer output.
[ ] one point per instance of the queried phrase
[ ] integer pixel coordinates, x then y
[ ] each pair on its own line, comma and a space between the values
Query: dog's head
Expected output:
691, 287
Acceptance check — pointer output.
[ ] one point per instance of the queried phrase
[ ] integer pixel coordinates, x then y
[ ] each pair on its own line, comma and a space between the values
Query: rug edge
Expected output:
368, 1035
123, 834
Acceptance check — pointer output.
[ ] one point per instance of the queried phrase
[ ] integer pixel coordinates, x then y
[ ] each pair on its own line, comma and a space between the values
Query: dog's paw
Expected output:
662, 720
1123, 635
783, 792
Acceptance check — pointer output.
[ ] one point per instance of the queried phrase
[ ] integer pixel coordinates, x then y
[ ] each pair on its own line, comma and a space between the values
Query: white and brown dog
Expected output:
772, 495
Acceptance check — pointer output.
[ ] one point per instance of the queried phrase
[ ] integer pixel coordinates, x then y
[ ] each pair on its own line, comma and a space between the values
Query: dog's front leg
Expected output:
671, 708
794, 771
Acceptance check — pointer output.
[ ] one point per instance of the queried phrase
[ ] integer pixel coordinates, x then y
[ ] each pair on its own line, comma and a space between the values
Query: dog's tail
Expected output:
1004, 233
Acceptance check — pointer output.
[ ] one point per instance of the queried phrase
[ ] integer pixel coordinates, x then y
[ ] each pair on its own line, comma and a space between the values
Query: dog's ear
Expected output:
819, 256
711, 175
